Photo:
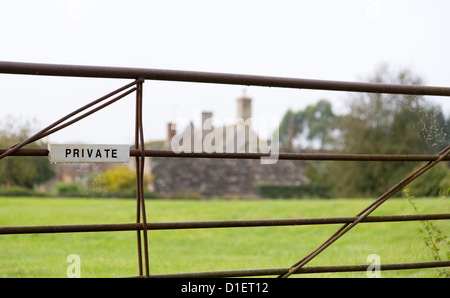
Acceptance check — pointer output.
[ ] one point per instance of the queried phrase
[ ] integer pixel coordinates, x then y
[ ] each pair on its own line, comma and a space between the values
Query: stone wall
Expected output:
210, 177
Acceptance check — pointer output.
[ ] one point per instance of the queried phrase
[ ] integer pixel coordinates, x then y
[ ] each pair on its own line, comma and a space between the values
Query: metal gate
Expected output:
139, 152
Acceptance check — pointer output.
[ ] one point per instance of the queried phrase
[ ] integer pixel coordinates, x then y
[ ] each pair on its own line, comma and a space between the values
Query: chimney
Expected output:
244, 107
244, 113
171, 132
206, 116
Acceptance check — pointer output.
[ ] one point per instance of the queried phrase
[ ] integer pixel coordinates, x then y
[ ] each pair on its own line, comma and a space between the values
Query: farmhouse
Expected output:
212, 177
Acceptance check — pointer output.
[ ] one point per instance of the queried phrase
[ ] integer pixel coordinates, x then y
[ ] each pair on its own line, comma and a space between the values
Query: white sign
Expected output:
88, 153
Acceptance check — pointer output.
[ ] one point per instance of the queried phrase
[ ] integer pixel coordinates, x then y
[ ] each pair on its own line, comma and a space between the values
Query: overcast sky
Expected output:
335, 40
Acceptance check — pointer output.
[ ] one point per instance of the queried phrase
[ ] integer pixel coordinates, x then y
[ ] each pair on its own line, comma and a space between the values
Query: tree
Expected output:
313, 124
289, 127
20, 170
387, 124
319, 120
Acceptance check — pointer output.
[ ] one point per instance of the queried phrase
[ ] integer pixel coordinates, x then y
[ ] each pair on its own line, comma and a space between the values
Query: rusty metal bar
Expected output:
305, 270
212, 77
294, 156
138, 193
140, 159
214, 224
141, 179
282, 156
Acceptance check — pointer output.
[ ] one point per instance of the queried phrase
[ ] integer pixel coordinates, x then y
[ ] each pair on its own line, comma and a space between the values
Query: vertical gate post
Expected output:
140, 206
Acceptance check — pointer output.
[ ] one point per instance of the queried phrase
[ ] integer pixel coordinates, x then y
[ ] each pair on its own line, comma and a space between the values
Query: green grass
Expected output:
114, 254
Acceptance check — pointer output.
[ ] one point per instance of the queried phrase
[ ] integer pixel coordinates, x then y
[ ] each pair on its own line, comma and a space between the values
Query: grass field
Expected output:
114, 254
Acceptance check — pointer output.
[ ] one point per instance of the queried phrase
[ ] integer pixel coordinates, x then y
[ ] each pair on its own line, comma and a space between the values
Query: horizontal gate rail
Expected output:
304, 270
215, 78
282, 156
214, 224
